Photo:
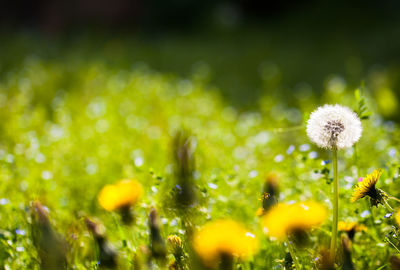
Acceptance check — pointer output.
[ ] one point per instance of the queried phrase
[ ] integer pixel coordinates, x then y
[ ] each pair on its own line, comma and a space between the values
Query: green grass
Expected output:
68, 126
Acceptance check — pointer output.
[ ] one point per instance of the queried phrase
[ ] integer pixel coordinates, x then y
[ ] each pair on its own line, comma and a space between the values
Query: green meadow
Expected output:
73, 120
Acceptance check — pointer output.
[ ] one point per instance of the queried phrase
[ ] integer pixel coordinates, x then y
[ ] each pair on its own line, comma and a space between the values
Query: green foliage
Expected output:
362, 109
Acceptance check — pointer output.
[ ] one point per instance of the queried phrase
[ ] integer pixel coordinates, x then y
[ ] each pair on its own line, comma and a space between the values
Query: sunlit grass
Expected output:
69, 128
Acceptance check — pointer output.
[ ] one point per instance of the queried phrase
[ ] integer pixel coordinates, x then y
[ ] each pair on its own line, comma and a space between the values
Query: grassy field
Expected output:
71, 125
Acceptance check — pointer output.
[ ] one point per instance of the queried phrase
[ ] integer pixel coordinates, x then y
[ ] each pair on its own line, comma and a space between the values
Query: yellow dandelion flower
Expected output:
259, 212
397, 217
284, 219
175, 242
351, 226
223, 237
367, 188
124, 193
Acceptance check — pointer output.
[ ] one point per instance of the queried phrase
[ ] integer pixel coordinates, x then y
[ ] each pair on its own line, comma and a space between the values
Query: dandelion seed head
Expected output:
334, 126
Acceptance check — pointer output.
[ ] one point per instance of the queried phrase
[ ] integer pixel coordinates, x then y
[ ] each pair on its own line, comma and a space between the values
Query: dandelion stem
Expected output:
120, 231
394, 198
294, 257
335, 206
390, 242
387, 205
356, 159
226, 262
372, 220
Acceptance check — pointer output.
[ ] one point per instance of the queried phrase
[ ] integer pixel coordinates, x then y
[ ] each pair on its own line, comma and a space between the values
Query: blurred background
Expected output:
290, 50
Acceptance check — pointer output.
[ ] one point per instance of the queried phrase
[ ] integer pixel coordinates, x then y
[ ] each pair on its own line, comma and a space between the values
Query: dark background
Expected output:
187, 15
248, 48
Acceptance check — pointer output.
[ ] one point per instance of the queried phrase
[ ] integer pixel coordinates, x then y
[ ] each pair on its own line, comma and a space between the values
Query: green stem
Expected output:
356, 160
393, 198
335, 202
120, 231
372, 219
387, 205
226, 262
294, 257
390, 242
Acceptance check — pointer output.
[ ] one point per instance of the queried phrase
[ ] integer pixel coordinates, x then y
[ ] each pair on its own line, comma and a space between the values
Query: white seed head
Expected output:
334, 126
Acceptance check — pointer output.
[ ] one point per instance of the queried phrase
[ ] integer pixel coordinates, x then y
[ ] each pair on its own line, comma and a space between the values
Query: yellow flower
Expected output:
175, 242
367, 187
350, 226
123, 194
397, 217
284, 219
223, 237
260, 212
